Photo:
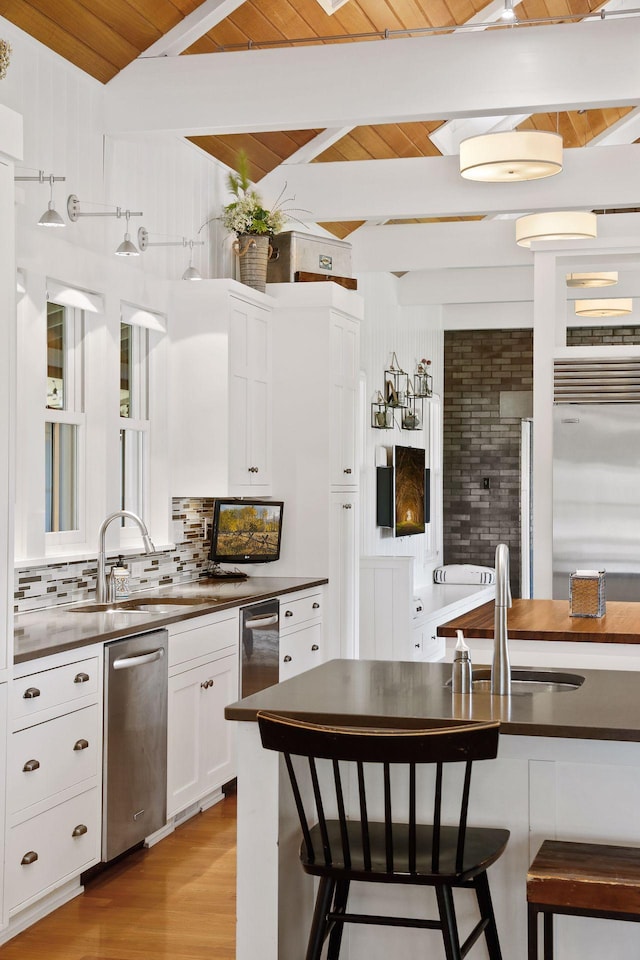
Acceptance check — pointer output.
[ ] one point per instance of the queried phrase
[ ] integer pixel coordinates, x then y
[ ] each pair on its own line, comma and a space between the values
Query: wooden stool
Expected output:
582, 880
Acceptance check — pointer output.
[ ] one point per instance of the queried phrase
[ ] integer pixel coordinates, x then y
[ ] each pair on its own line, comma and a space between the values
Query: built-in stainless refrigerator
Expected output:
596, 495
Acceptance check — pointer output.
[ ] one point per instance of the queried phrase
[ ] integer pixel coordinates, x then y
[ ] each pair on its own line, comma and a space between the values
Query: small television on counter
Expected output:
246, 531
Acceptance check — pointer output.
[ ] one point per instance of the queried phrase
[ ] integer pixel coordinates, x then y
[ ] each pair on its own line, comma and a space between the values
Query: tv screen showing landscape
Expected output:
246, 531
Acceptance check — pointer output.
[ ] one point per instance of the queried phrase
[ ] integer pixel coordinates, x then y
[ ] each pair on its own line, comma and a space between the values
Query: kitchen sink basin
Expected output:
142, 605
527, 681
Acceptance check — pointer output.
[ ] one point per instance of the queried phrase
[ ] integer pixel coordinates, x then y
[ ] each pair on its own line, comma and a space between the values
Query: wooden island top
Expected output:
550, 620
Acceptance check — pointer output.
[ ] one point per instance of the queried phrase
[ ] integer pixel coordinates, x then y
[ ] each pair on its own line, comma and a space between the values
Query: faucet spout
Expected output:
101, 579
501, 668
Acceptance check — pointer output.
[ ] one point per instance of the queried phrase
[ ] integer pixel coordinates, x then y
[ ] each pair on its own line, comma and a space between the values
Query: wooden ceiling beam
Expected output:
546, 68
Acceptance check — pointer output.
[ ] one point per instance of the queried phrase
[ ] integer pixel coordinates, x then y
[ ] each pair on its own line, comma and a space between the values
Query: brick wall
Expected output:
478, 444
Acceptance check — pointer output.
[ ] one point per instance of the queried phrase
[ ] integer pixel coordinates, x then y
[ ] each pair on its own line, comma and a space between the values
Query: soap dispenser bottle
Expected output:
461, 670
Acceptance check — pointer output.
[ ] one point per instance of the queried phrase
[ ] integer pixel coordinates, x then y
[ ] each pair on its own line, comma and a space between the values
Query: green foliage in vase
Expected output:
246, 213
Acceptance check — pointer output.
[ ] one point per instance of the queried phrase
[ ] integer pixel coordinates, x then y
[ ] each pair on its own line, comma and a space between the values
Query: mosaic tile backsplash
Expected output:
50, 584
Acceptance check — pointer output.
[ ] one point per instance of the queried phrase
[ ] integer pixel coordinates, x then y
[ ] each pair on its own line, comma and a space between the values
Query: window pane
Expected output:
131, 471
126, 365
56, 349
61, 506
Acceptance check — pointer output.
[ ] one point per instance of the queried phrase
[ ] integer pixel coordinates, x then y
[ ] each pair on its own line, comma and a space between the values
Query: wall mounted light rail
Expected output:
127, 248
51, 217
191, 273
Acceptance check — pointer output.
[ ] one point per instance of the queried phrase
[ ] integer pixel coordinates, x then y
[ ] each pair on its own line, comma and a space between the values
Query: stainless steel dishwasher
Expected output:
134, 788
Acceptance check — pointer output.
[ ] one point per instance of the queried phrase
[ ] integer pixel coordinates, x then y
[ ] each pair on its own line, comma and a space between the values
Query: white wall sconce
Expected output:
51, 217
127, 248
602, 279
614, 307
191, 273
563, 225
511, 155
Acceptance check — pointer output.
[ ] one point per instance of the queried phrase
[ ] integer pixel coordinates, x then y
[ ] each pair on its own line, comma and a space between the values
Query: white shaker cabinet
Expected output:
316, 470
203, 679
220, 390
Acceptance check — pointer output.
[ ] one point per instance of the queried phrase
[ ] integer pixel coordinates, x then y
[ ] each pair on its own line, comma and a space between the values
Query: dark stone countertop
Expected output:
56, 629
382, 692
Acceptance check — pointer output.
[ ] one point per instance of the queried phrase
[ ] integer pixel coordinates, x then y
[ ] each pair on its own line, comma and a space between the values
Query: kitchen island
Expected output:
543, 633
568, 768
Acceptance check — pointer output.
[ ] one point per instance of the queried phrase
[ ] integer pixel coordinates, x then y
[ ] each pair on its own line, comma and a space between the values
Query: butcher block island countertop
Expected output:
550, 620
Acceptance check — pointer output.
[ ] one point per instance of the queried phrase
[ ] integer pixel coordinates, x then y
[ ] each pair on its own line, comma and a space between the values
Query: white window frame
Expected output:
139, 425
74, 415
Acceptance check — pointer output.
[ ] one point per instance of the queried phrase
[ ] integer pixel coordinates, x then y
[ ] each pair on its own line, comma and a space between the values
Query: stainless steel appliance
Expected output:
260, 646
596, 495
135, 743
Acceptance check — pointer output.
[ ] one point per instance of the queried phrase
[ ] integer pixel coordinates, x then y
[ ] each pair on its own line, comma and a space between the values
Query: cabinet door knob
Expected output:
79, 831
315, 647
81, 745
315, 606
28, 858
288, 613
81, 678
287, 659
31, 693
30, 766
347, 470
346, 506
206, 684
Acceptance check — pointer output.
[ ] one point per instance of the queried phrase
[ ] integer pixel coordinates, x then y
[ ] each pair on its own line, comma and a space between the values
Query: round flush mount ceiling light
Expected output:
616, 307
511, 155
563, 225
592, 279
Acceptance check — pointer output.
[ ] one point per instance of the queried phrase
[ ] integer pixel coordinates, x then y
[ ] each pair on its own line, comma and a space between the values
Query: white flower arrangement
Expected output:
246, 214
5, 58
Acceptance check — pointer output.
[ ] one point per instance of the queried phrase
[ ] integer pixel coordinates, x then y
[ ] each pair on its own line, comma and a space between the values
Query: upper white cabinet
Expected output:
316, 469
220, 390
344, 336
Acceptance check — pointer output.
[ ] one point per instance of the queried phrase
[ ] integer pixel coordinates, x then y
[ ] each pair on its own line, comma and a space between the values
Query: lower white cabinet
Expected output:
301, 634
51, 848
54, 767
201, 743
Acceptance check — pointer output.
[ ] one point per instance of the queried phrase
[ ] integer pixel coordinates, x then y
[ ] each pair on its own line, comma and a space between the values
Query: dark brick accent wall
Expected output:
585, 336
478, 443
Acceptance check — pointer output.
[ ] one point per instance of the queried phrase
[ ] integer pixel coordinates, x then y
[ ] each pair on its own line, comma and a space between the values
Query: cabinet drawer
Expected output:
301, 650
51, 688
52, 847
51, 757
203, 640
293, 612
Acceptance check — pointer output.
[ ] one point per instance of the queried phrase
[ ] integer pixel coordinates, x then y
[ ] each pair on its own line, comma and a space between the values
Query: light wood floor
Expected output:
176, 900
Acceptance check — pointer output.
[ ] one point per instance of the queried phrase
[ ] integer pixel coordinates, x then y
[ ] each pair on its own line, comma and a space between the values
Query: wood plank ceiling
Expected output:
104, 36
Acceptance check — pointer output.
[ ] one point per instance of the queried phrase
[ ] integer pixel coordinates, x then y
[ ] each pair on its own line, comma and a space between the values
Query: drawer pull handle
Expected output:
315, 606
28, 858
81, 745
287, 659
30, 766
348, 470
81, 678
288, 613
79, 831
315, 647
31, 693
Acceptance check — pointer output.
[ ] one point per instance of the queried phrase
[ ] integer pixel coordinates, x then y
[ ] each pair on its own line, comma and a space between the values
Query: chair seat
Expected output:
483, 846
586, 876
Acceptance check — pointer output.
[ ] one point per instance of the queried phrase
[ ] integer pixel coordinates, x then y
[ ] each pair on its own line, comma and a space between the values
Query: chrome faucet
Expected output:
101, 579
501, 668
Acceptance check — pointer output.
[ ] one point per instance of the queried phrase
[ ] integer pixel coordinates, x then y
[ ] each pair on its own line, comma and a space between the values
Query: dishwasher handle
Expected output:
255, 623
124, 663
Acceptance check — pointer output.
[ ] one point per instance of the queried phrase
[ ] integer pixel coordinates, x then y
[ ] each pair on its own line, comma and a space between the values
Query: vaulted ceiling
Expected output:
390, 108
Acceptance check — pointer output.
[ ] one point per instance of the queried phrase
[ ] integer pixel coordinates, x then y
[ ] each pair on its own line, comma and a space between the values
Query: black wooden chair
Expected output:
340, 850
